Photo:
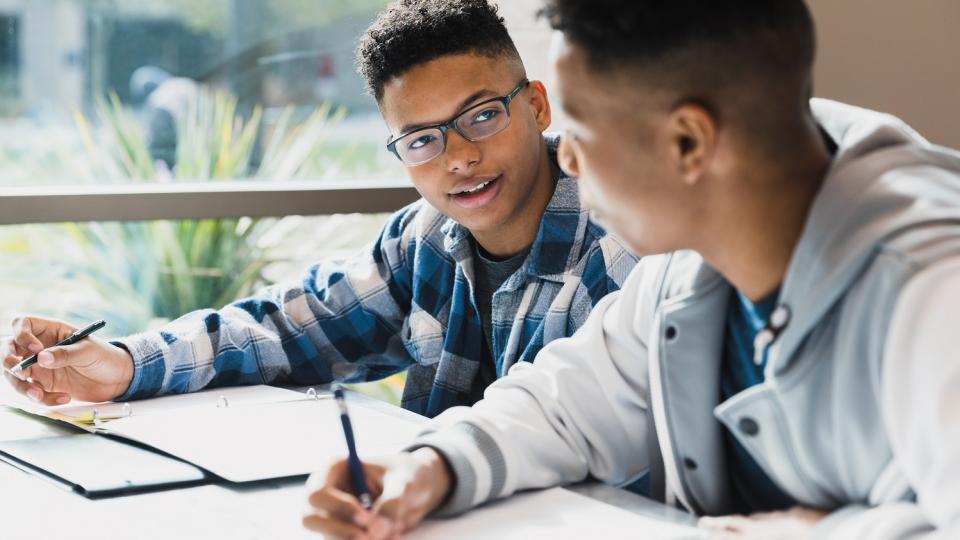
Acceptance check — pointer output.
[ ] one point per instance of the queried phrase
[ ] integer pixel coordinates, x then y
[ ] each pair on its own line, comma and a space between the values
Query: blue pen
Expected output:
356, 468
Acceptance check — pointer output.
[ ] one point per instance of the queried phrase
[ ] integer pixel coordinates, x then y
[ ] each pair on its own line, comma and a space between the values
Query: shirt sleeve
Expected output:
921, 409
341, 321
559, 419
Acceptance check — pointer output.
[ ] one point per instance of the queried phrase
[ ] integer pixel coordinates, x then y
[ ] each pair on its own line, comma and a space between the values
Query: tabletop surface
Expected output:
32, 506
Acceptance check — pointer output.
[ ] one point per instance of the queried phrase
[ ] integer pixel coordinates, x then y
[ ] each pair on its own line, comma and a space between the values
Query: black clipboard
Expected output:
96, 466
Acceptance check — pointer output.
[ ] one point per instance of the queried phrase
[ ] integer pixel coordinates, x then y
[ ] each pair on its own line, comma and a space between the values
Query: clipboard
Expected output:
96, 467
237, 434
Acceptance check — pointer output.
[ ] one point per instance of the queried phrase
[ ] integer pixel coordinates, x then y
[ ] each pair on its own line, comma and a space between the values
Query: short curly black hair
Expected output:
412, 32
615, 32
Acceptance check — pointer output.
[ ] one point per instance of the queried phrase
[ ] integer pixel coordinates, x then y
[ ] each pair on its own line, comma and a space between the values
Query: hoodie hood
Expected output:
884, 179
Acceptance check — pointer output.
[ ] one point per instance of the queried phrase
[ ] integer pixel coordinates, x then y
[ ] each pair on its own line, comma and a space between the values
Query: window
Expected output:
115, 114
110, 91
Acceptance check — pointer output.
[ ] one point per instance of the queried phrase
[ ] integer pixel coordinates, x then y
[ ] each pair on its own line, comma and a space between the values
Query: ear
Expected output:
540, 105
567, 156
692, 138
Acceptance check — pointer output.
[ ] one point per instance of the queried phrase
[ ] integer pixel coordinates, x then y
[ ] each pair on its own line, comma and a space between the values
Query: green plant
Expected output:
149, 272
138, 275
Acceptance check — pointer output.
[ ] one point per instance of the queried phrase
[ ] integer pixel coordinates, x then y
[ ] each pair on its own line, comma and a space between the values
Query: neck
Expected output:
758, 225
520, 230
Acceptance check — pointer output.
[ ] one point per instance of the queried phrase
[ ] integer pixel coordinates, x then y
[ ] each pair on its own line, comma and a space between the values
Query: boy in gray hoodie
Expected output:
786, 365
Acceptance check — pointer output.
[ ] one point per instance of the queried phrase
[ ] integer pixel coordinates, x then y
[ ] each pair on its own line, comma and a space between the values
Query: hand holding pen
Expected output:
402, 490
52, 362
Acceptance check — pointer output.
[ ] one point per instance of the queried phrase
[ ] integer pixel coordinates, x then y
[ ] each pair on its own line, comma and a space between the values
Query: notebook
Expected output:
242, 434
95, 466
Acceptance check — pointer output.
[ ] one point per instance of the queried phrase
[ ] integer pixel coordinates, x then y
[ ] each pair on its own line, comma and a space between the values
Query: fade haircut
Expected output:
413, 32
748, 58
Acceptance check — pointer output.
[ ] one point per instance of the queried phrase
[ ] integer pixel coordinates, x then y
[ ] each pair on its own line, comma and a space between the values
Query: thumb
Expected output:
77, 355
391, 501
390, 507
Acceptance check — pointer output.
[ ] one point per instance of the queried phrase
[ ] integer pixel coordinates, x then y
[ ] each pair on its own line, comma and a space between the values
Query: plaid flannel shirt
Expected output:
405, 303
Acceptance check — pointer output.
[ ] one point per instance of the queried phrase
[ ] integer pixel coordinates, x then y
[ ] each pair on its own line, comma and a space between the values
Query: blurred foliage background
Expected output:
279, 100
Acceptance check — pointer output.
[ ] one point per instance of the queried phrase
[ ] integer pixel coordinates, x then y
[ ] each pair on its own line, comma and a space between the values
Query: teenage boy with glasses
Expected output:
495, 261
789, 364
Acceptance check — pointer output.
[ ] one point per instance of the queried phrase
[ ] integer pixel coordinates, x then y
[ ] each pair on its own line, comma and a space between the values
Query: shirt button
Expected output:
749, 426
690, 464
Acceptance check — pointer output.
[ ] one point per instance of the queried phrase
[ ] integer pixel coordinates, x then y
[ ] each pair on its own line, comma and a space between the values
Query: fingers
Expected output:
36, 392
11, 359
333, 528
32, 334
338, 476
392, 514
25, 337
337, 512
83, 354
340, 505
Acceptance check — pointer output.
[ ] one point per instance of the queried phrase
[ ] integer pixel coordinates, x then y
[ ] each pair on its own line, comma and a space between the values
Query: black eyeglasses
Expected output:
479, 122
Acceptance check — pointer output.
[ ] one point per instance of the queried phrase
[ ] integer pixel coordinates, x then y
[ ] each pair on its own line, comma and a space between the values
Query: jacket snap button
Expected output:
671, 333
749, 426
780, 317
690, 464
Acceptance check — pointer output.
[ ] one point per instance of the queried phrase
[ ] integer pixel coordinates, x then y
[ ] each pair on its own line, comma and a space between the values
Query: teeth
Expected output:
478, 188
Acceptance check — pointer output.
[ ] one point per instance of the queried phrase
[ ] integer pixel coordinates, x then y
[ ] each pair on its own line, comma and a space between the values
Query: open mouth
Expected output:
477, 190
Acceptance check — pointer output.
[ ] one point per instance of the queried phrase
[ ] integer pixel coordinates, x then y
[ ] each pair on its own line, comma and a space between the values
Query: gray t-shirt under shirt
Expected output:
490, 274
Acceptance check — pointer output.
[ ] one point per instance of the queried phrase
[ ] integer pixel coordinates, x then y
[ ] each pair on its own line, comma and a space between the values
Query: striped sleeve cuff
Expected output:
149, 366
476, 460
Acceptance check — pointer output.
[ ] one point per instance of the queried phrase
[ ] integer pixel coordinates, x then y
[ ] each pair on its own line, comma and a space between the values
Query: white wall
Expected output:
532, 37
901, 57
891, 55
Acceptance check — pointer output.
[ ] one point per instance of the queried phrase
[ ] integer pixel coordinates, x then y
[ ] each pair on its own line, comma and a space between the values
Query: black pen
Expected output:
353, 460
17, 371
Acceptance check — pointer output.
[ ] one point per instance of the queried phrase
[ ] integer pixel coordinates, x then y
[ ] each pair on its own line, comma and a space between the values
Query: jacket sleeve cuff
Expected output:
476, 461
149, 367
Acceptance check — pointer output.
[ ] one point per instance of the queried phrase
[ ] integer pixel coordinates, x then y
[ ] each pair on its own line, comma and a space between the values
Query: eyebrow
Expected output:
461, 107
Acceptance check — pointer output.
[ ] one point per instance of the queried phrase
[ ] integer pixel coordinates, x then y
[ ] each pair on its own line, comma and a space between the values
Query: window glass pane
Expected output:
118, 91
138, 275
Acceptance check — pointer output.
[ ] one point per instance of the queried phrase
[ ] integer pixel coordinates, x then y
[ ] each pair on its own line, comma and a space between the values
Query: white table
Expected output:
32, 507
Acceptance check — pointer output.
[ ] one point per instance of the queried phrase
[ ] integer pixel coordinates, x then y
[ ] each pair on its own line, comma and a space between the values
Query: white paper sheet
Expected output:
81, 412
245, 443
554, 514
17, 426
234, 396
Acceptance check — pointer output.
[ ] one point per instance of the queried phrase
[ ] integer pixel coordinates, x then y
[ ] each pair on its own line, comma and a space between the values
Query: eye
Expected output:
485, 116
421, 141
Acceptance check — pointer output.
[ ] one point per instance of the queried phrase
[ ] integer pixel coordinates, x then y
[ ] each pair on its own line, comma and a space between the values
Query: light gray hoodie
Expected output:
859, 412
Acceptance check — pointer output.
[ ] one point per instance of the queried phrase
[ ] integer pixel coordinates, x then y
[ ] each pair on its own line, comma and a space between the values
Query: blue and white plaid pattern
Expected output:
404, 303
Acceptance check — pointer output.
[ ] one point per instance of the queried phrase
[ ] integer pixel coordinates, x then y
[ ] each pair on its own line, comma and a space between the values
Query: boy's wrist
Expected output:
126, 367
